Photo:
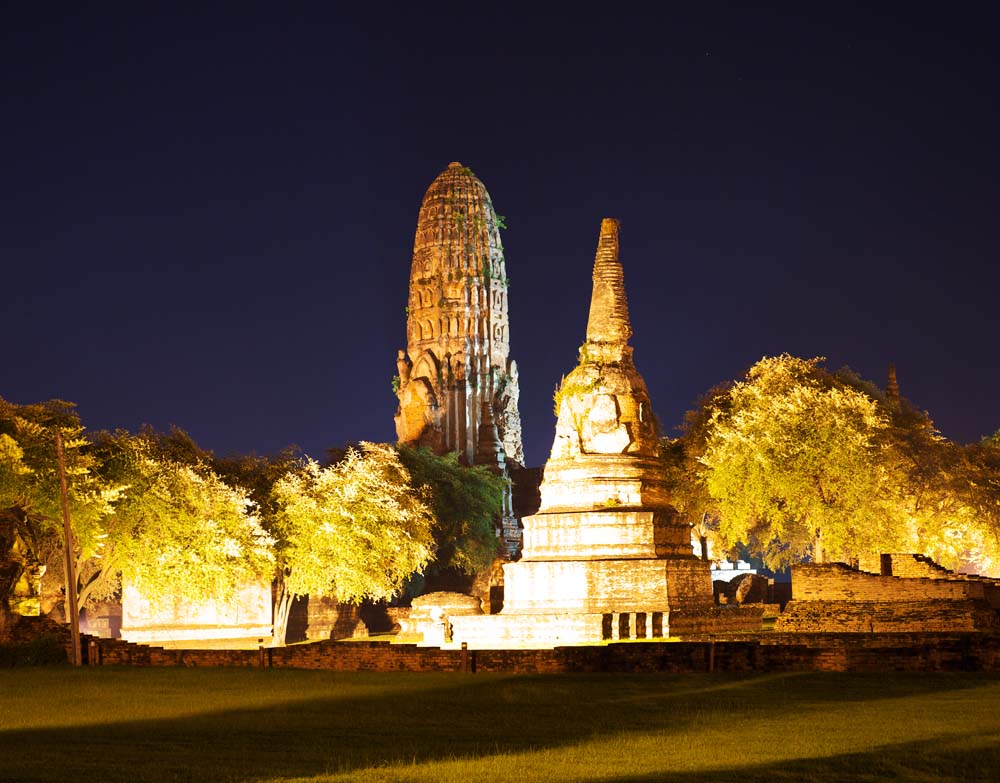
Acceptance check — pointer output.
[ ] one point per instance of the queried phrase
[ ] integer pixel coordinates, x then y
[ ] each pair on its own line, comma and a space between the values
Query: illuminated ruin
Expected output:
456, 383
457, 332
606, 556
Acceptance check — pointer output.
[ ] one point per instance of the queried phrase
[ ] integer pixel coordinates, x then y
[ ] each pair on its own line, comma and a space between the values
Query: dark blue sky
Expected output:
208, 215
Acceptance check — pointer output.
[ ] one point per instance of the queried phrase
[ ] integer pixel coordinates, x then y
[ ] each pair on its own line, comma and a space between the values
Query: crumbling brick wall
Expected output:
839, 582
831, 597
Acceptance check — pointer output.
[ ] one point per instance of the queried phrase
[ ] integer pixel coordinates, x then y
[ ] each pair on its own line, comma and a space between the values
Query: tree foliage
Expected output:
144, 508
354, 530
158, 512
682, 465
800, 462
29, 473
465, 502
30, 501
176, 529
795, 459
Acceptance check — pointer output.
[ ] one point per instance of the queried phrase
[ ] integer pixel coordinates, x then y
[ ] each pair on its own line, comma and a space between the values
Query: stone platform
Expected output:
618, 585
553, 629
605, 533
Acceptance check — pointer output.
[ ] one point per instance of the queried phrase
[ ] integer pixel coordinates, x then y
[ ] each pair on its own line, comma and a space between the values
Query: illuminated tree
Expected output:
176, 529
984, 479
30, 504
795, 463
172, 529
354, 530
803, 463
683, 468
956, 518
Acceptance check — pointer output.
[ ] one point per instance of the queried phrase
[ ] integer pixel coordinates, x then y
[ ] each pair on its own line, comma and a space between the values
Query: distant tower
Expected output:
892, 385
457, 332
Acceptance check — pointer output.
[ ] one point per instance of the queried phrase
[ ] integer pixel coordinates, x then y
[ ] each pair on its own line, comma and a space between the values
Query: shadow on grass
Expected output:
973, 758
406, 718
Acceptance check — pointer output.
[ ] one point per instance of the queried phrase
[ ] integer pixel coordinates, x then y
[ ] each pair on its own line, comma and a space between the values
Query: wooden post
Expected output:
72, 609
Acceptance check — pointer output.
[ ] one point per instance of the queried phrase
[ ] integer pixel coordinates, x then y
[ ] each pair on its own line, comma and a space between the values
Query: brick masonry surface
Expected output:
765, 652
918, 597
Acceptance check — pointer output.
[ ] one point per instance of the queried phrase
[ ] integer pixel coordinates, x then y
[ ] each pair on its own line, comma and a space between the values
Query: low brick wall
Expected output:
766, 652
886, 617
832, 597
838, 582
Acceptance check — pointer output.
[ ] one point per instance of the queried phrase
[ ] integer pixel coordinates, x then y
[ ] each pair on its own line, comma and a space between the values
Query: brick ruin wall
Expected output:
751, 653
907, 566
838, 582
758, 652
920, 596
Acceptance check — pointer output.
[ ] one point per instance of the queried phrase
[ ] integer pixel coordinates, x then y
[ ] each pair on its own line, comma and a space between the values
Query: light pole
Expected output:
72, 610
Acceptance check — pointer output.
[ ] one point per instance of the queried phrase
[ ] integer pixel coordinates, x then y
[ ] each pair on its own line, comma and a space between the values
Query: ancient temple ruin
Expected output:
457, 331
456, 383
606, 556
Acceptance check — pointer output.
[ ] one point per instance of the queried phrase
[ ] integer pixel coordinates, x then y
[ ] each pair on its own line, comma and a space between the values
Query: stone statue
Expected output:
403, 368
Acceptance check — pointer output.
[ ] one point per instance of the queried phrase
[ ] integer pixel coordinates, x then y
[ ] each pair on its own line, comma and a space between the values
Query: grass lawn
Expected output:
59, 724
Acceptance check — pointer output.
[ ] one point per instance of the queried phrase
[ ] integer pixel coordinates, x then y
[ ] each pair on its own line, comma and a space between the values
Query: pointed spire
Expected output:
892, 386
608, 322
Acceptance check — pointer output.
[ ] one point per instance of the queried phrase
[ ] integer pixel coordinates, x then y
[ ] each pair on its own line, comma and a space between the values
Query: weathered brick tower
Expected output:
456, 364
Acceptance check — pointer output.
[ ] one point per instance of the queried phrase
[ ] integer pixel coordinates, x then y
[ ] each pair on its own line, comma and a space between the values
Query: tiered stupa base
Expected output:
560, 586
557, 602
505, 631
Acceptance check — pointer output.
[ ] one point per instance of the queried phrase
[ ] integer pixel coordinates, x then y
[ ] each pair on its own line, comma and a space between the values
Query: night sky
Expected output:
208, 215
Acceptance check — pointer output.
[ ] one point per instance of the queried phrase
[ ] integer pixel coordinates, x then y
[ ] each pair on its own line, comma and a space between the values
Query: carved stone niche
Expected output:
417, 406
602, 431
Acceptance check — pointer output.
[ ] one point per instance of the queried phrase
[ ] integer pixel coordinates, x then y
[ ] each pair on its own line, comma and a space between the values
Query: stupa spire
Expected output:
609, 321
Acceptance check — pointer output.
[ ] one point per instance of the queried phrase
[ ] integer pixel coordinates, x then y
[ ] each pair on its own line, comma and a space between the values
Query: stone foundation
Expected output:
600, 586
770, 652
557, 629
103, 618
618, 533
328, 618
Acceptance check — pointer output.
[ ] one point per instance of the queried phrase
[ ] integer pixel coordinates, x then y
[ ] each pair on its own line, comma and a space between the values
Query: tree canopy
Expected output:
356, 529
30, 504
157, 511
794, 461
798, 462
465, 501
176, 529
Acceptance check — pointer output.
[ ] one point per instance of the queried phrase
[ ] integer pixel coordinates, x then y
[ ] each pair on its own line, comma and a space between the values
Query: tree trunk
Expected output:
704, 547
282, 608
818, 554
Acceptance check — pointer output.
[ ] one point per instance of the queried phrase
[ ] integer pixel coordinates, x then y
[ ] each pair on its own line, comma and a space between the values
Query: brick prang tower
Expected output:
456, 364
